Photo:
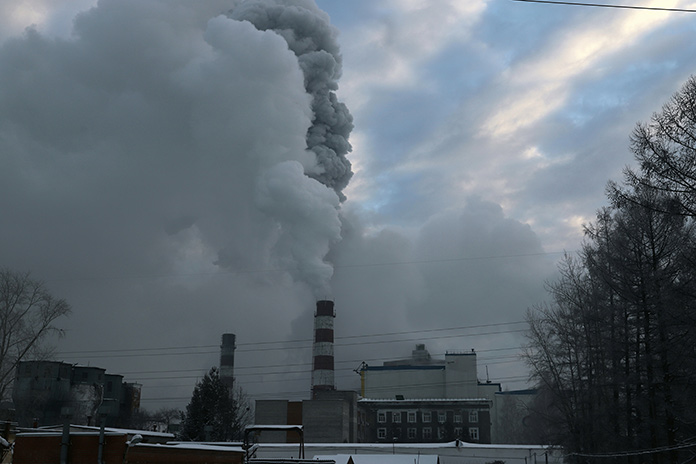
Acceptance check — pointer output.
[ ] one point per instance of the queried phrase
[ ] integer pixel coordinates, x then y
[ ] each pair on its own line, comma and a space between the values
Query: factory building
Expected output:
331, 415
419, 399
424, 421
44, 391
422, 376
423, 399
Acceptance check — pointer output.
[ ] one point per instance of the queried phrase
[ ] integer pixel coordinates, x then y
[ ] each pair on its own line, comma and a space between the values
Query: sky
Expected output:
155, 171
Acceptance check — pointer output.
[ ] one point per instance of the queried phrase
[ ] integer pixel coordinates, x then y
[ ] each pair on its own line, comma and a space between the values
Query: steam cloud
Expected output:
308, 216
219, 142
312, 38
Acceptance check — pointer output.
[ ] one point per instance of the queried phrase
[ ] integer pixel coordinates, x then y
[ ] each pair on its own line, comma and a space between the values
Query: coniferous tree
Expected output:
213, 413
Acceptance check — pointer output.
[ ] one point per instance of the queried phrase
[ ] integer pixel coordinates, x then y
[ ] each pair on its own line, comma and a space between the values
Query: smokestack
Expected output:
323, 363
227, 360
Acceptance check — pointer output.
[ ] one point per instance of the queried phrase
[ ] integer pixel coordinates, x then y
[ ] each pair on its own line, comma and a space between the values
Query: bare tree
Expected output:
665, 149
613, 350
27, 315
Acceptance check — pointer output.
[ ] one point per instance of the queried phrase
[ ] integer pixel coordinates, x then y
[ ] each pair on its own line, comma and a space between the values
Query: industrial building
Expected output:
422, 376
46, 391
331, 415
418, 399
424, 421
423, 399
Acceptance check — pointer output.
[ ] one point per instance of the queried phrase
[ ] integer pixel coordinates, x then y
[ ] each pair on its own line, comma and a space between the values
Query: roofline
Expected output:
404, 368
424, 400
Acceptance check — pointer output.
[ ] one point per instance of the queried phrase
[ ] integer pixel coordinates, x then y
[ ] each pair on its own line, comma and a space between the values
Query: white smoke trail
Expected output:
305, 208
311, 37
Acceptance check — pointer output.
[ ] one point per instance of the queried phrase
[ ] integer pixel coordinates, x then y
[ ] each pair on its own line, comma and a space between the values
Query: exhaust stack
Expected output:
227, 360
323, 362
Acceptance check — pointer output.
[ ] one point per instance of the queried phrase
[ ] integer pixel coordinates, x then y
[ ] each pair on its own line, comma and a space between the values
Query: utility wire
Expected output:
378, 342
604, 5
307, 340
352, 362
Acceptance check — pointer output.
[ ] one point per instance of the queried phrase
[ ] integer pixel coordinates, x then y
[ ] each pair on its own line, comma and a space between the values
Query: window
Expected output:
473, 433
458, 418
473, 416
412, 417
427, 433
412, 433
427, 416
397, 433
382, 433
458, 431
440, 433
396, 417
381, 417
441, 417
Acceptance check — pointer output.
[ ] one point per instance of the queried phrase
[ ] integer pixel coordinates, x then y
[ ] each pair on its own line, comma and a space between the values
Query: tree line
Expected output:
613, 351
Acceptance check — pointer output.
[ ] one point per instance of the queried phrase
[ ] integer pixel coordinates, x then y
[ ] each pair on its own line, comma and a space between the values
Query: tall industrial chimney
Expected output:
323, 363
227, 360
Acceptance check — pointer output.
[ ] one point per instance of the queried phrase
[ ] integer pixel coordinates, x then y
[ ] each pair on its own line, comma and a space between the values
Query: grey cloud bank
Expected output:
155, 171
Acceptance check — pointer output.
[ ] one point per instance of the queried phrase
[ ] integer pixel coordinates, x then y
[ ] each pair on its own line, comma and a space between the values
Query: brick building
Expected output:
424, 421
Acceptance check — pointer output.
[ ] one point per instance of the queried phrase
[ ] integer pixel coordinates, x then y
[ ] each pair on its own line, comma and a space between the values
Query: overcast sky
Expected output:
153, 159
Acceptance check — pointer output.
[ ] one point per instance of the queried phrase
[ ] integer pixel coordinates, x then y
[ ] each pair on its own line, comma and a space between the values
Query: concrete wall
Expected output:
413, 382
461, 379
271, 412
326, 421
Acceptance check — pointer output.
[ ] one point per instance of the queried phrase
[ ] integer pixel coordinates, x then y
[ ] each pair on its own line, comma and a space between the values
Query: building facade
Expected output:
45, 391
424, 421
330, 417
422, 376
424, 399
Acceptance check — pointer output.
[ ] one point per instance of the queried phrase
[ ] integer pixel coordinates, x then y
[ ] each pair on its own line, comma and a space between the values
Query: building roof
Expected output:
424, 400
403, 367
378, 458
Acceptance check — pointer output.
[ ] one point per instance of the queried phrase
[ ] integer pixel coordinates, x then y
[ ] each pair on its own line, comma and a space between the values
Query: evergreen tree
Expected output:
212, 413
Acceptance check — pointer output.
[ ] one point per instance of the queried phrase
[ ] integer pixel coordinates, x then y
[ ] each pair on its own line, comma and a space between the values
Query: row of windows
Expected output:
427, 433
426, 416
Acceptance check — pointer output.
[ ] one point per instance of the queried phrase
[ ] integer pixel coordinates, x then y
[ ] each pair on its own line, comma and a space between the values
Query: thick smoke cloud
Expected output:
160, 143
311, 37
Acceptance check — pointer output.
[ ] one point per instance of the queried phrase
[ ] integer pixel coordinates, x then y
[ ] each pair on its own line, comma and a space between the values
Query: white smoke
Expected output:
164, 137
311, 37
306, 211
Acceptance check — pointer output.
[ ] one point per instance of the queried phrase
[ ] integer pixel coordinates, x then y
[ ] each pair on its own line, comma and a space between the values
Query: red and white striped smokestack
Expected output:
323, 363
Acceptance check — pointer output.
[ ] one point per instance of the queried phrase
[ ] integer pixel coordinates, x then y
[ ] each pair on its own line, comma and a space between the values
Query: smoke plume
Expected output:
313, 40
307, 215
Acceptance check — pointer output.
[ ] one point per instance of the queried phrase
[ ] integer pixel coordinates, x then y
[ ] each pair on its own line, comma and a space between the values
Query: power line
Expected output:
604, 5
378, 342
136, 352
352, 362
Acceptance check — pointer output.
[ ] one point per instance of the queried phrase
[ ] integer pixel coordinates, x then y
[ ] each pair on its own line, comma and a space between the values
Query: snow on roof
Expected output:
380, 458
53, 433
389, 446
194, 446
273, 427
145, 433
428, 400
